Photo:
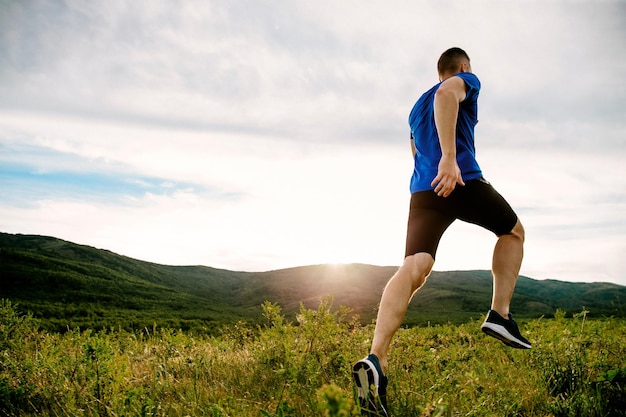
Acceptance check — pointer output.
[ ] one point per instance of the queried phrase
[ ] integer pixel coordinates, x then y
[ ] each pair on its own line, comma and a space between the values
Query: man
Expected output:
447, 184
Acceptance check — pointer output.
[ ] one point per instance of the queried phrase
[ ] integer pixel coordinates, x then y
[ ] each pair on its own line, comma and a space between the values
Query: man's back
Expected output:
424, 134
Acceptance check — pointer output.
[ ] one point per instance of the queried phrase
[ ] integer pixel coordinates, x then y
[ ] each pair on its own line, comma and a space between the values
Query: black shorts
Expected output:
477, 202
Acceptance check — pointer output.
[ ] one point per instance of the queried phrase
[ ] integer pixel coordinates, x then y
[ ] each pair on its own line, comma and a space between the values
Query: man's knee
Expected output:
418, 267
518, 231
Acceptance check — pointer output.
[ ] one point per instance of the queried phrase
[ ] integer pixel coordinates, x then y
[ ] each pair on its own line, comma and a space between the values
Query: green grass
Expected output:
577, 367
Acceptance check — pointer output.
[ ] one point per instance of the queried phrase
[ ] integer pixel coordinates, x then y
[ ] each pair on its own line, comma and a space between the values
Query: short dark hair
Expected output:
451, 60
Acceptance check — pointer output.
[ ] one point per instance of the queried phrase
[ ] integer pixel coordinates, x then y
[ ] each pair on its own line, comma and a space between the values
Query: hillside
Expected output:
66, 284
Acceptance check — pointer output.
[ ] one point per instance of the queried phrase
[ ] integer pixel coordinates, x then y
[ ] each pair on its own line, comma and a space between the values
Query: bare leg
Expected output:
507, 260
395, 301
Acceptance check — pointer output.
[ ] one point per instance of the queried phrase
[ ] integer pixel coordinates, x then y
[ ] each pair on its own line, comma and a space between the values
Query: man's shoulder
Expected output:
469, 78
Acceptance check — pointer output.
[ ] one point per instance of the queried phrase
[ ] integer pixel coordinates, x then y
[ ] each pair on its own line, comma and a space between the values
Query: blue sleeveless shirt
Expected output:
426, 139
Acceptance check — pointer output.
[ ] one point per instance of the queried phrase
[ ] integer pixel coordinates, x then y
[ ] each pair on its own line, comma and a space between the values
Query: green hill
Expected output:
68, 285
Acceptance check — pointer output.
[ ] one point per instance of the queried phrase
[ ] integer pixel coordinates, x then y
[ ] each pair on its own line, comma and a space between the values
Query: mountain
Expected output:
68, 285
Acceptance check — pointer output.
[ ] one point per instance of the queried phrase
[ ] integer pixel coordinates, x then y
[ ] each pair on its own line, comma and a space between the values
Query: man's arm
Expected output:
447, 99
413, 148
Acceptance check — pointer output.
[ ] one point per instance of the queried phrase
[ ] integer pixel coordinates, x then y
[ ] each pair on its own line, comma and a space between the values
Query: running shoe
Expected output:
504, 330
371, 385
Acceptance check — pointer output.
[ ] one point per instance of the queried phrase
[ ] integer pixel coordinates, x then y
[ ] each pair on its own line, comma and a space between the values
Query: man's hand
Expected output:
448, 176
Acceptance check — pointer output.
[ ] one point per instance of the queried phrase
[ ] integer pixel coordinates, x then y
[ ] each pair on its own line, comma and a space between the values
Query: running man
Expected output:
447, 184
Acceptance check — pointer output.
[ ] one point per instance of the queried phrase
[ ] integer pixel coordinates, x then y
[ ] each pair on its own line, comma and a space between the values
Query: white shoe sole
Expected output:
365, 376
361, 372
500, 332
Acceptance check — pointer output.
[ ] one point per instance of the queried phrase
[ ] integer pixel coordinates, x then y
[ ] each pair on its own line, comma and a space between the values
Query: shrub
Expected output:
303, 368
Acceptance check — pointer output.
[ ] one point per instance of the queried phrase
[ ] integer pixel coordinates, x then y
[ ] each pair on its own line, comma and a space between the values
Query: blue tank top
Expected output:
424, 135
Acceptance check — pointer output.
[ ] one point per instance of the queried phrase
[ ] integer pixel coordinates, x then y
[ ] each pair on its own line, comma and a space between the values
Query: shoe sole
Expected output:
502, 334
365, 376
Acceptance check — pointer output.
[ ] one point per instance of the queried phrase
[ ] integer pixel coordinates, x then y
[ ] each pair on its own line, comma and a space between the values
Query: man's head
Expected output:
453, 61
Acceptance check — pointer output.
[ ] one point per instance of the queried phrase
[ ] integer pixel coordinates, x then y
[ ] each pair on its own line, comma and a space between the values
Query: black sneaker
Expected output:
371, 386
505, 330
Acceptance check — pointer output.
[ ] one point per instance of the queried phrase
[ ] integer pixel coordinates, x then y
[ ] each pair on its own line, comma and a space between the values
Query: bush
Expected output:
303, 368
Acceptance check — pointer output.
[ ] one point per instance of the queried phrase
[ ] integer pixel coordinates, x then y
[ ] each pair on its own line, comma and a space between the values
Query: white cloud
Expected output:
281, 126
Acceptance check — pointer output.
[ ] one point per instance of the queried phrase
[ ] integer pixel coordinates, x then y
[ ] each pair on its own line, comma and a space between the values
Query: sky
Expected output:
260, 135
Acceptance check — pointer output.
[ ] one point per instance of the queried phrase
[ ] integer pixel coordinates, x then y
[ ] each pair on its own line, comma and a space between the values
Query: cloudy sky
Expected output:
257, 135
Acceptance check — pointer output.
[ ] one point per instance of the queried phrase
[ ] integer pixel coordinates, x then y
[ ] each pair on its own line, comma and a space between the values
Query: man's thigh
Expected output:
426, 224
479, 203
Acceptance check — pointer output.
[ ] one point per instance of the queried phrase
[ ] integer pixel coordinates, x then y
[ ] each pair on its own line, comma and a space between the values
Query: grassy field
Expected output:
577, 367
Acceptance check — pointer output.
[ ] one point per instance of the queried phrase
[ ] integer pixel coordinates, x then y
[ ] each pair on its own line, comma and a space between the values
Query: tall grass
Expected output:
577, 367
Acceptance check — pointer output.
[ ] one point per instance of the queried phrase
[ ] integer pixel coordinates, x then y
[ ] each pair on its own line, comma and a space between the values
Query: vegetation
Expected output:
68, 286
65, 284
86, 332
577, 367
